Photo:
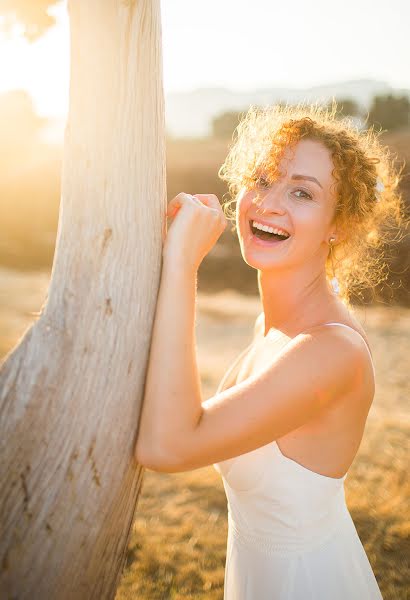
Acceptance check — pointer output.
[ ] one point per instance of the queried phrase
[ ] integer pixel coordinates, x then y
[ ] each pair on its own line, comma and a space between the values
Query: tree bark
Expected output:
71, 391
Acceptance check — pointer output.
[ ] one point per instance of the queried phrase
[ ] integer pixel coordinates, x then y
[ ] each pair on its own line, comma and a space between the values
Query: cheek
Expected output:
309, 226
243, 210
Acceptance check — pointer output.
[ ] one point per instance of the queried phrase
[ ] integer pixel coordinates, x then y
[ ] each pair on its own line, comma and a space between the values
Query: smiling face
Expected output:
302, 207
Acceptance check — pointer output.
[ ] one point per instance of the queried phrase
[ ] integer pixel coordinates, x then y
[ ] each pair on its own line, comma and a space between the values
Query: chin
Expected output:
261, 262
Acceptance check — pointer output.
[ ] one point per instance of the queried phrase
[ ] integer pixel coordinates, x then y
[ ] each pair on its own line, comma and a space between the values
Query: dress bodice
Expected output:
271, 494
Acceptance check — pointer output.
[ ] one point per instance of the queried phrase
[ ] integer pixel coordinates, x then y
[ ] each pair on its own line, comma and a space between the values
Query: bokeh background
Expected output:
220, 57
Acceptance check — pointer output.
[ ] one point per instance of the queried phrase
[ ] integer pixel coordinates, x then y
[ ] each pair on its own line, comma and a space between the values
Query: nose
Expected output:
272, 201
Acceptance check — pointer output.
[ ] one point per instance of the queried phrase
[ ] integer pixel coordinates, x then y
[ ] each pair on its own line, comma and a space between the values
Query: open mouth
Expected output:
266, 235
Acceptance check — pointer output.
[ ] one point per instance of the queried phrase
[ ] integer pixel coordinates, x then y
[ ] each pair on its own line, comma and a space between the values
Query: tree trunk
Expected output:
71, 391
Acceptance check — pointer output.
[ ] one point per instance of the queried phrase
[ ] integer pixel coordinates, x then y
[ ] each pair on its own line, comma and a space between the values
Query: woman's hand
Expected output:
198, 222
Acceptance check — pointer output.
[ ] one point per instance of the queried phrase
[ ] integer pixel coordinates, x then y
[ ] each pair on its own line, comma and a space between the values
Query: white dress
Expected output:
290, 534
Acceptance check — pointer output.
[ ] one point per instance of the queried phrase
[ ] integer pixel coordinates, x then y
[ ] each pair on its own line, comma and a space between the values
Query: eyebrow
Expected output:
307, 177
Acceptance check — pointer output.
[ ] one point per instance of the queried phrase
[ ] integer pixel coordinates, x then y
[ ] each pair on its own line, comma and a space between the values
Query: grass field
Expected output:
178, 543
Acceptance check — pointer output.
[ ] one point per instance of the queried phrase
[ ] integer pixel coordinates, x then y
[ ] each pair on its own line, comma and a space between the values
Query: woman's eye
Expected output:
306, 194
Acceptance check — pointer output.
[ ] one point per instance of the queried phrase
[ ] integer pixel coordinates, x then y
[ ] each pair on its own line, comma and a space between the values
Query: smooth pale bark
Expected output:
71, 390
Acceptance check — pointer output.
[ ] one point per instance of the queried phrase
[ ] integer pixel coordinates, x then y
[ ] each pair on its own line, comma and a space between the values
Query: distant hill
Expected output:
190, 113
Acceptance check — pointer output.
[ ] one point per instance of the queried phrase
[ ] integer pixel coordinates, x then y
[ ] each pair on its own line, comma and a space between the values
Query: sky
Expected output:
239, 45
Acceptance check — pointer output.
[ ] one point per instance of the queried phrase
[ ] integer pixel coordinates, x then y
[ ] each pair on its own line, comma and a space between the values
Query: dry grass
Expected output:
178, 543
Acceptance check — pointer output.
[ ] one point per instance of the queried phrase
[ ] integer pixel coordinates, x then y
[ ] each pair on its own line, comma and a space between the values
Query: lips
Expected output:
274, 225
267, 242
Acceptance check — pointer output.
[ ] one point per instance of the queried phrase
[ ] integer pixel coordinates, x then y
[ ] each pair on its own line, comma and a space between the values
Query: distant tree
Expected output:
390, 112
223, 125
347, 107
31, 14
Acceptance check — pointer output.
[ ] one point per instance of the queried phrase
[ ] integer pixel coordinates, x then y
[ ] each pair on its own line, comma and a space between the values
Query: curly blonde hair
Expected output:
368, 207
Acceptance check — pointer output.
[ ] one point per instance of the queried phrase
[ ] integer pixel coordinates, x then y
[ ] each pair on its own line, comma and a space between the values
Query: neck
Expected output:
294, 301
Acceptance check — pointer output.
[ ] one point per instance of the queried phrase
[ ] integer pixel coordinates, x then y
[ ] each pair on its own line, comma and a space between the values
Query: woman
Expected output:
287, 419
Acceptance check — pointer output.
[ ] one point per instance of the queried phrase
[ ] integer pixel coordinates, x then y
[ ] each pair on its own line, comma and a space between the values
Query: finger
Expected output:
212, 202
209, 200
182, 198
195, 199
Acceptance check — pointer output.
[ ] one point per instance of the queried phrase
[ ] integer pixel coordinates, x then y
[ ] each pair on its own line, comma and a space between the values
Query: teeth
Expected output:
269, 229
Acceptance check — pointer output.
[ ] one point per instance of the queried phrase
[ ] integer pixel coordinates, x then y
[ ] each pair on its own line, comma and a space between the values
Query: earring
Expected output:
334, 281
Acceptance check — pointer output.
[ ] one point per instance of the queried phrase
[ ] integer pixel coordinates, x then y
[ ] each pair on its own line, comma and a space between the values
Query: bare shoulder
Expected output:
349, 341
350, 336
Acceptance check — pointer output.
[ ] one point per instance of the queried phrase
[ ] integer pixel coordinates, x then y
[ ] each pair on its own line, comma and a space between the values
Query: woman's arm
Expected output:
172, 396
173, 371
